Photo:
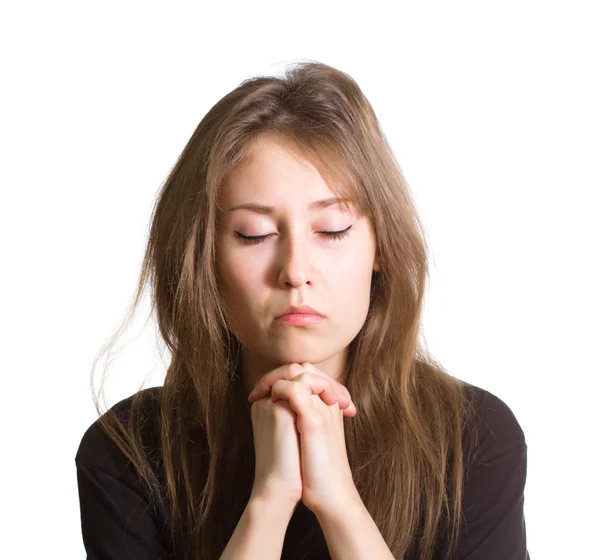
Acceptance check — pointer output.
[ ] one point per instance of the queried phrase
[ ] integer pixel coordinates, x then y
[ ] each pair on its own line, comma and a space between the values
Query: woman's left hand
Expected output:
327, 484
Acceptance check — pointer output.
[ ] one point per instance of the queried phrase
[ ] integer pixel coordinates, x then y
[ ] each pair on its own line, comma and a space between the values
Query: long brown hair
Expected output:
405, 446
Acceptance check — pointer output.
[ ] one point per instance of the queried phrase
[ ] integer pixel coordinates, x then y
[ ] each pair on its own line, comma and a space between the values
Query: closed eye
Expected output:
255, 239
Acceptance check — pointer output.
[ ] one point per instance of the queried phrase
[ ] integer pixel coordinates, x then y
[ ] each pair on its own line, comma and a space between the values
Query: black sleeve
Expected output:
493, 514
116, 521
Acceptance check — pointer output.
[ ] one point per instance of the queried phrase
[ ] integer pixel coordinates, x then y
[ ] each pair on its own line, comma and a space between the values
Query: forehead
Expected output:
274, 170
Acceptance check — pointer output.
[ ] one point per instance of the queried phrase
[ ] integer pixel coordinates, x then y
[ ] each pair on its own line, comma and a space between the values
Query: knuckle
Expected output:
278, 385
301, 377
299, 389
294, 369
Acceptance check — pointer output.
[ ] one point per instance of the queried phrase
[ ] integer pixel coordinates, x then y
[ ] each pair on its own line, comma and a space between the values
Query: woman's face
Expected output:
296, 264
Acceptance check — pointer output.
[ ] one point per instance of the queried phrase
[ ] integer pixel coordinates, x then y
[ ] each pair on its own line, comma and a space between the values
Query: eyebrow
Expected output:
317, 205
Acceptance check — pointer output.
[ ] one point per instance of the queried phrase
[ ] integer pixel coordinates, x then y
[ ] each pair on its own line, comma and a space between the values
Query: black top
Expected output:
117, 522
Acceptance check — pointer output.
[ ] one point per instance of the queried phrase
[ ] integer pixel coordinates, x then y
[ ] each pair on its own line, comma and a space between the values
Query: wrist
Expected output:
270, 506
350, 506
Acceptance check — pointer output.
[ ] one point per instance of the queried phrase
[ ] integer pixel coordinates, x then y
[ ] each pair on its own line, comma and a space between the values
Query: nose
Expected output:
294, 266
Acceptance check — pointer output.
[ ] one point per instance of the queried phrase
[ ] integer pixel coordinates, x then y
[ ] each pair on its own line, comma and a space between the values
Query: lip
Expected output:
301, 310
300, 319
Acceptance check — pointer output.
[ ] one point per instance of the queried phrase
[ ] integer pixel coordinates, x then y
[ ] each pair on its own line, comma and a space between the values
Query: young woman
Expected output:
300, 416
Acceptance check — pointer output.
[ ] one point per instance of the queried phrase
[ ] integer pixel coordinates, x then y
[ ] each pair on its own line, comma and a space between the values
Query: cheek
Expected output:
351, 272
240, 278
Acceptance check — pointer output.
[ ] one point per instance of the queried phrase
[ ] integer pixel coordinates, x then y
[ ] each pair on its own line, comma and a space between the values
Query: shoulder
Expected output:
495, 472
494, 428
119, 512
97, 449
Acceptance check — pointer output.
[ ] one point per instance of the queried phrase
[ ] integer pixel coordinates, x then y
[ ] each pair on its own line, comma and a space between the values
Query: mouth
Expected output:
300, 318
299, 310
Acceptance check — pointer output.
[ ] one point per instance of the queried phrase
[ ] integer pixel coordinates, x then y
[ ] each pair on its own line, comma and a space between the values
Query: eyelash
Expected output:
256, 239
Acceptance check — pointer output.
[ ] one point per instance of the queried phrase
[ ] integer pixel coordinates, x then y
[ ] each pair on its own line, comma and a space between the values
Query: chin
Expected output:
298, 356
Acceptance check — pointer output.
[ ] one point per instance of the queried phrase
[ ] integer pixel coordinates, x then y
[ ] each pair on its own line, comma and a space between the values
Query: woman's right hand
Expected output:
277, 473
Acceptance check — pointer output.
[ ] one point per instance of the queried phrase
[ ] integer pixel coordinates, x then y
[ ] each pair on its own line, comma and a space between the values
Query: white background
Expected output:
492, 109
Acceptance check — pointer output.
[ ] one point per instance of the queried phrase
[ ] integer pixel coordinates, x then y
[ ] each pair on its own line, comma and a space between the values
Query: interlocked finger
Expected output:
329, 389
300, 398
316, 385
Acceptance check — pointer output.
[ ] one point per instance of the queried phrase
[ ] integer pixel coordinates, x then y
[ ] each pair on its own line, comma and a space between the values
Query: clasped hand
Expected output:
298, 420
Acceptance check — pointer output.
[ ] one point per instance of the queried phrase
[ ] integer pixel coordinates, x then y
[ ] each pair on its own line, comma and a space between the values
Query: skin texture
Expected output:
297, 264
